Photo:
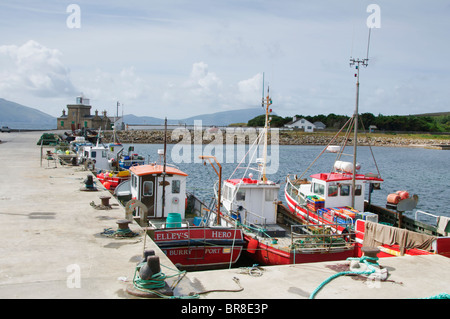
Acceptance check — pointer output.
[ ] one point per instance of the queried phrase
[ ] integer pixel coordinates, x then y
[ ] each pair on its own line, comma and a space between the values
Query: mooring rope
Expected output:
365, 259
118, 233
157, 281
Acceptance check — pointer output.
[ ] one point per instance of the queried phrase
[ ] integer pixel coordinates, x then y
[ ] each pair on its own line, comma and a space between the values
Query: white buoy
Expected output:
333, 148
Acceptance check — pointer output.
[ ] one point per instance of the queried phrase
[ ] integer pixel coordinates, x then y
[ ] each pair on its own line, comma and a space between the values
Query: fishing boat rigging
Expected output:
338, 198
251, 204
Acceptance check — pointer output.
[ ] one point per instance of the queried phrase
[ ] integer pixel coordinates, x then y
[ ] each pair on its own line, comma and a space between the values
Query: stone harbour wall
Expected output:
284, 138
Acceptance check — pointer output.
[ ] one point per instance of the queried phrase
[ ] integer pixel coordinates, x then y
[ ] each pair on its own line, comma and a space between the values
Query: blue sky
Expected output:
179, 58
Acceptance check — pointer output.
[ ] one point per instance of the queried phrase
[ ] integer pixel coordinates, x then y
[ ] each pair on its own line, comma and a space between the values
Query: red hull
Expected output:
268, 255
442, 246
201, 257
112, 182
200, 247
442, 243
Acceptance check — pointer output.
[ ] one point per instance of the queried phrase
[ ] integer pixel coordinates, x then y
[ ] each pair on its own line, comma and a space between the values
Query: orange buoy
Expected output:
393, 198
107, 185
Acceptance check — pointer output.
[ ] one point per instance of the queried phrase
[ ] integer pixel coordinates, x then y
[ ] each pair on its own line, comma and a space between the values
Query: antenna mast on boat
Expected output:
219, 174
164, 168
357, 63
265, 102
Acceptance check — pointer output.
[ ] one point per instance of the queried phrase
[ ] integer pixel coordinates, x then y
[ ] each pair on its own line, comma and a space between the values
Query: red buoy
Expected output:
403, 194
252, 245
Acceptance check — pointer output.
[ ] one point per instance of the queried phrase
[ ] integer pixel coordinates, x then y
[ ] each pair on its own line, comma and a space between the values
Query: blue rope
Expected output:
364, 259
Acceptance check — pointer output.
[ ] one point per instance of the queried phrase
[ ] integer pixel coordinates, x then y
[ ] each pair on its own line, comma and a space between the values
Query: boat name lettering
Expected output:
181, 252
171, 235
221, 234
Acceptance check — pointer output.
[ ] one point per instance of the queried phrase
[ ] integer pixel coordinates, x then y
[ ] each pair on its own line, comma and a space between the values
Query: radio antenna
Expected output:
368, 44
262, 102
357, 63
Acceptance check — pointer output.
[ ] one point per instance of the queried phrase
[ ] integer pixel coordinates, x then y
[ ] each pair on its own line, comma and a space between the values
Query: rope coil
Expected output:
369, 261
118, 233
157, 281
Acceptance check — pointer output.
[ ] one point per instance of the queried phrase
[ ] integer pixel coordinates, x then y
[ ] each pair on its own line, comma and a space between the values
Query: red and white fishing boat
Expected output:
272, 235
338, 198
111, 179
159, 200
194, 247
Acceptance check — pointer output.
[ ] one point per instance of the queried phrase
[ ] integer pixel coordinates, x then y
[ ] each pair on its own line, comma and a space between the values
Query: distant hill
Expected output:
17, 116
224, 118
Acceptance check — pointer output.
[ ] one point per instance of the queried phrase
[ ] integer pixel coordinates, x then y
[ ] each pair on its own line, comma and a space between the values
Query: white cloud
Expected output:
143, 54
35, 69
205, 92
104, 89
201, 82
202, 90
250, 90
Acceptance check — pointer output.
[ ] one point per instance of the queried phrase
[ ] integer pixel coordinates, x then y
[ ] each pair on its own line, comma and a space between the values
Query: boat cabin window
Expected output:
291, 190
227, 193
176, 187
93, 154
358, 190
345, 190
240, 195
269, 195
319, 189
104, 154
148, 188
332, 190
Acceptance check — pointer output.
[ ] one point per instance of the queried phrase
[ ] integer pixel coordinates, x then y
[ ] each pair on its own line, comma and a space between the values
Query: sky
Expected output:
179, 58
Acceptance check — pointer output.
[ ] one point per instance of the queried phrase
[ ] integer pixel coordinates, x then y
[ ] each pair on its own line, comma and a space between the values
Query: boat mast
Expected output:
164, 168
357, 63
211, 158
267, 102
115, 120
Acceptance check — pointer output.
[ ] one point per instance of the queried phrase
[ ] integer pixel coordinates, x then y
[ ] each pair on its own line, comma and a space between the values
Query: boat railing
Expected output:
425, 213
313, 237
172, 165
295, 191
257, 221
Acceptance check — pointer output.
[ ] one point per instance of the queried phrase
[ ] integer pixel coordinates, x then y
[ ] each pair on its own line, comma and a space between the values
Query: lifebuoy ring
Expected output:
89, 163
131, 205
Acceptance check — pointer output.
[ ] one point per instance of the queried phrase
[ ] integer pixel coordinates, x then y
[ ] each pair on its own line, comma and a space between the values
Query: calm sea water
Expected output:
424, 172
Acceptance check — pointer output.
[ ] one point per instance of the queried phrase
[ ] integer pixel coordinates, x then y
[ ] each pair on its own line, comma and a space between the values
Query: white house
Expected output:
301, 123
319, 125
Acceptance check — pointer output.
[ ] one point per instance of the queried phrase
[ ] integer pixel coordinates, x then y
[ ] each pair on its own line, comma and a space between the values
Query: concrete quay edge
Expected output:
52, 247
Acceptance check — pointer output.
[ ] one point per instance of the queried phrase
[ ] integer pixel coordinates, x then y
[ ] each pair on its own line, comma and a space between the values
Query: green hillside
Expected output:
18, 116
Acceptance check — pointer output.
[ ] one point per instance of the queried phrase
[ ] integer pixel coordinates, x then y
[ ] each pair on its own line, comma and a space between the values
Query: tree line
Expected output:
416, 123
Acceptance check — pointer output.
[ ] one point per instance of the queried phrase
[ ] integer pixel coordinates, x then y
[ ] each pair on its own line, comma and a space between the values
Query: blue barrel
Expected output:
197, 221
173, 220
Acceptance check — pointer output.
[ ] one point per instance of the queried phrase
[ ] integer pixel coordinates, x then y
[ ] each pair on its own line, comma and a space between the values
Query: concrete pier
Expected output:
52, 247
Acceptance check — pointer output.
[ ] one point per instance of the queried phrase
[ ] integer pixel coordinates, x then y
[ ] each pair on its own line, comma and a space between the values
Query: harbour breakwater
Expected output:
279, 137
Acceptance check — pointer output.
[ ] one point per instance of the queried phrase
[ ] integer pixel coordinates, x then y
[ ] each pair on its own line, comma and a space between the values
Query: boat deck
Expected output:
304, 239
52, 247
